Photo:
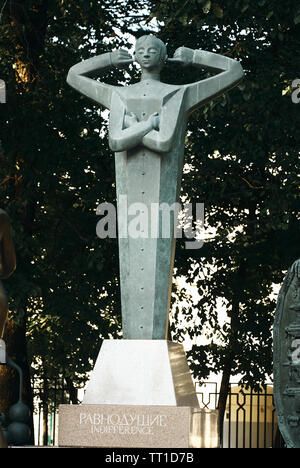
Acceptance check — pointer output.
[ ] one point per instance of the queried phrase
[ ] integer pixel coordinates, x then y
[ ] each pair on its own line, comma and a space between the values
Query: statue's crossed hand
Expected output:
131, 119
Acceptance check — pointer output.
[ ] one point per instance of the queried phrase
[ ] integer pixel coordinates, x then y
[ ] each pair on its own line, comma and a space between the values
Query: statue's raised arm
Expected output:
80, 76
229, 74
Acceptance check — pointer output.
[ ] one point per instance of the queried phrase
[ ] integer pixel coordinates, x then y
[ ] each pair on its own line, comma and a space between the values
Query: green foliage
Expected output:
55, 170
244, 153
243, 150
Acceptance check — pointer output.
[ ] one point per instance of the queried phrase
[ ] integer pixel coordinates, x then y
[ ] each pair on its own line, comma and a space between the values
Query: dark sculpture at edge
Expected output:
286, 357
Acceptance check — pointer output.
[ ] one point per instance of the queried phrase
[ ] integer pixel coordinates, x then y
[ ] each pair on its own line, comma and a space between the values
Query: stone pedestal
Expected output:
141, 372
140, 394
136, 426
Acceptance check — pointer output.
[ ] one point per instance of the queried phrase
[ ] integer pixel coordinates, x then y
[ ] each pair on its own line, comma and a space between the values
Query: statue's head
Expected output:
150, 52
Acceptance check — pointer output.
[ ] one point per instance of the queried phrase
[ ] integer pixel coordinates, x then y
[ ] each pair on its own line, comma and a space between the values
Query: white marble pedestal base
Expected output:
141, 372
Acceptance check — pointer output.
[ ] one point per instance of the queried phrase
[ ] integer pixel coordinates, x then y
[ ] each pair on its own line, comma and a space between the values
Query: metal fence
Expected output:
250, 419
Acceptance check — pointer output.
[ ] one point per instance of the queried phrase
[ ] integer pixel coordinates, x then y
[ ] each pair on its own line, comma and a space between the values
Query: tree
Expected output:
55, 168
243, 153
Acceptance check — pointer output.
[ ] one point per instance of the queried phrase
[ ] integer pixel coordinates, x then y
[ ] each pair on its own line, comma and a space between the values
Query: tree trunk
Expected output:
45, 410
72, 391
224, 391
226, 374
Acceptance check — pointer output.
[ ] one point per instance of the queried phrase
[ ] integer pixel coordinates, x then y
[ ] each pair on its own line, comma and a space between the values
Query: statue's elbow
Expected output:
164, 148
70, 77
113, 145
116, 145
165, 145
73, 77
239, 72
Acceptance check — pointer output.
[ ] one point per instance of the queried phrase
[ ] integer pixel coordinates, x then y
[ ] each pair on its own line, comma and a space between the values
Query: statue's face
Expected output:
148, 54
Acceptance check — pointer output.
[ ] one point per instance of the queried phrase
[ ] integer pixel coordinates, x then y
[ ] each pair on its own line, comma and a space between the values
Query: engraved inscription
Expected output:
126, 424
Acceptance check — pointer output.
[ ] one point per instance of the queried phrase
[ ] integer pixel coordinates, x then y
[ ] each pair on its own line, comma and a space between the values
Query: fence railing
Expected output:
250, 418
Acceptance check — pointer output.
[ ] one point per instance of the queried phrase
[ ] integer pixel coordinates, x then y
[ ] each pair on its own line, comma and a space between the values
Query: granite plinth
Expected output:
120, 426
